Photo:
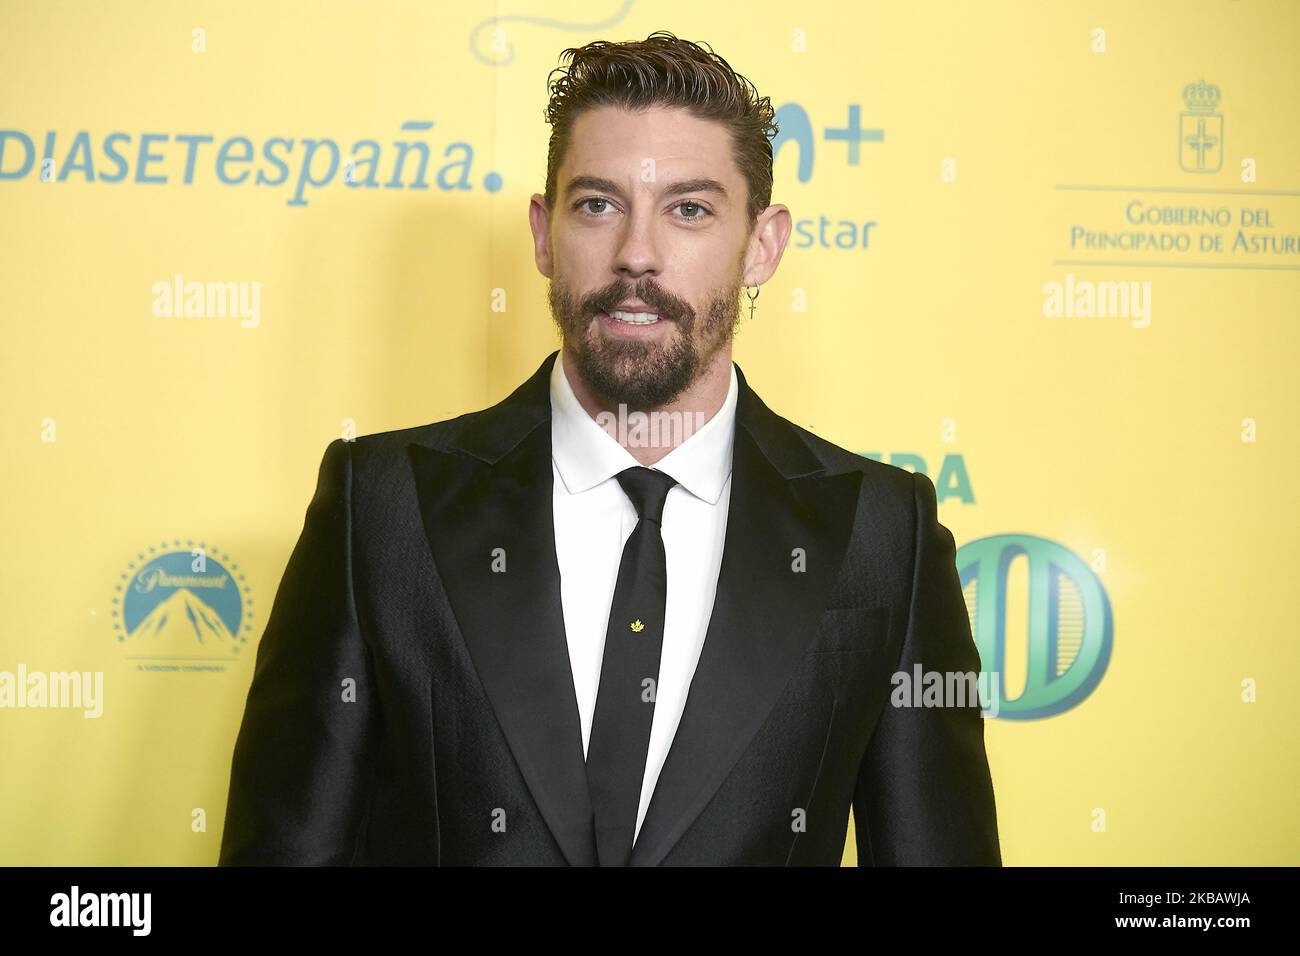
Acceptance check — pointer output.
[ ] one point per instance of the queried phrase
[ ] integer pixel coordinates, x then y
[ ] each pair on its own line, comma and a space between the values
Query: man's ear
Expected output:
767, 243
539, 220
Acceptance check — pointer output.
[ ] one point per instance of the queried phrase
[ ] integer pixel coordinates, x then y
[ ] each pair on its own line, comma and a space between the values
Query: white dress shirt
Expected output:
593, 520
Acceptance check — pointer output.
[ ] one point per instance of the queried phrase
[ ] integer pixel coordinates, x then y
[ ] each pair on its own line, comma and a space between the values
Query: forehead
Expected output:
609, 141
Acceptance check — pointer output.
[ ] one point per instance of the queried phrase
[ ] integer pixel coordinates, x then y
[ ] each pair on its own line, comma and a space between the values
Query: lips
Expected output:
631, 330
634, 310
636, 318
628, 312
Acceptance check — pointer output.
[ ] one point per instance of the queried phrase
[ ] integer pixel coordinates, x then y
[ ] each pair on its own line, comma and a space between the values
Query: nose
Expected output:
637, 253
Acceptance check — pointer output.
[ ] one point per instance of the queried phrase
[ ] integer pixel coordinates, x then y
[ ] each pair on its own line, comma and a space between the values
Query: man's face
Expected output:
650, 215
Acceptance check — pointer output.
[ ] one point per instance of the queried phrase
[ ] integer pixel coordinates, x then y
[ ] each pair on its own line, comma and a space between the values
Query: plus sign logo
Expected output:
1200, 130
849, 230
796, 127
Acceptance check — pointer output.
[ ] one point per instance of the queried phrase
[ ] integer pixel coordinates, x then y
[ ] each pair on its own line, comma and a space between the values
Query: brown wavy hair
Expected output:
662, 70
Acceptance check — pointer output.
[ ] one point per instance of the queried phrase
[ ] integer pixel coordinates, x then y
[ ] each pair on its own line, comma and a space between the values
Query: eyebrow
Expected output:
680, 188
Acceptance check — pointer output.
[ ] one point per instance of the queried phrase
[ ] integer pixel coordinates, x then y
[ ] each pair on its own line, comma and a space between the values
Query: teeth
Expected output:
635, 318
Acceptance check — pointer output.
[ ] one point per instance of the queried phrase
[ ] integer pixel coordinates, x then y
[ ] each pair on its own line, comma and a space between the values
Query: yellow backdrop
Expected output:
1047, 253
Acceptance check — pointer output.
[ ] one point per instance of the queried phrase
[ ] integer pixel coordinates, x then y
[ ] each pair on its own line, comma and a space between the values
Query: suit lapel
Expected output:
490, 487
765, 614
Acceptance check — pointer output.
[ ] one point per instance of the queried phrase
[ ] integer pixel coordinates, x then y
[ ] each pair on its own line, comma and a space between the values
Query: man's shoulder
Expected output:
878, 477
437, 434
444, 434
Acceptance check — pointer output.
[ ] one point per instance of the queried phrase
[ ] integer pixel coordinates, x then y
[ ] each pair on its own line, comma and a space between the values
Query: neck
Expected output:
697, 404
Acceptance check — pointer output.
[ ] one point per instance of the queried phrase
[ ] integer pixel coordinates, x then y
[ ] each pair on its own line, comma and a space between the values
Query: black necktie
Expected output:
629, 671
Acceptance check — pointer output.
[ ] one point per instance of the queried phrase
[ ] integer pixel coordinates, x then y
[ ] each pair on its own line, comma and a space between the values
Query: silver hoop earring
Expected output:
752, 299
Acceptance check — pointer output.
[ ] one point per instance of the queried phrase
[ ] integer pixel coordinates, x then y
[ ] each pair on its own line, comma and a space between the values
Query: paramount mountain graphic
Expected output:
178, 623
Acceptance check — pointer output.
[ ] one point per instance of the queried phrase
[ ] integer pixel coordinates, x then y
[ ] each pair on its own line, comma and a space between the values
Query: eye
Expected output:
583, 202
703, 213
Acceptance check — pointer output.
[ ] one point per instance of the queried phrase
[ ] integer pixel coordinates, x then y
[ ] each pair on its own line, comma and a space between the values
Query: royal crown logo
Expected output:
1200, 129
1201, 97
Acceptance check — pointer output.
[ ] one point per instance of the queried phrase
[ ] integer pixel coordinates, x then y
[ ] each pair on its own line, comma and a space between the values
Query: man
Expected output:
542, 633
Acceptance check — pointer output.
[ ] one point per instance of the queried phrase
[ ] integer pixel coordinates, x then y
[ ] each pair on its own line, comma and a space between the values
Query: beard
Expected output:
644, 375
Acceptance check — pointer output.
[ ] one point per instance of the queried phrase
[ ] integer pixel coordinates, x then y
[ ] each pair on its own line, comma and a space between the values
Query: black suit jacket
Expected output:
412, 705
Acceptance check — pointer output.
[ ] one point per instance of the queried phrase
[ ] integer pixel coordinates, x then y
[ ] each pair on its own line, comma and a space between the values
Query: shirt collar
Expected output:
586, 455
